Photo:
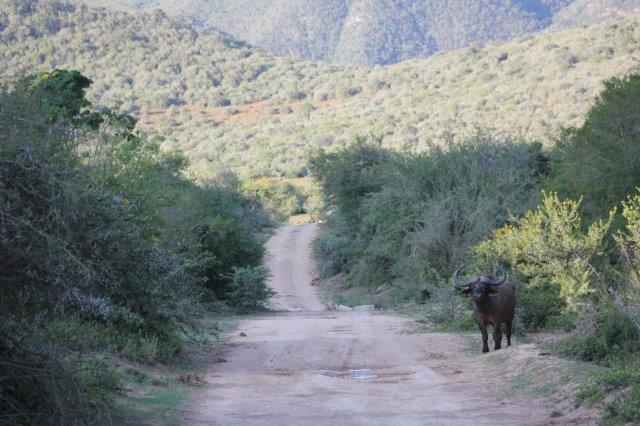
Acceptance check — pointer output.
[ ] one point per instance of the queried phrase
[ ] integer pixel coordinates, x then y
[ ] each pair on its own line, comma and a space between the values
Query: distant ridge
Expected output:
380, 32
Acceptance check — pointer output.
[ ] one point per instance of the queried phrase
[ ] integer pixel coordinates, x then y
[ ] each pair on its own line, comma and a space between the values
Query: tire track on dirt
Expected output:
292, 367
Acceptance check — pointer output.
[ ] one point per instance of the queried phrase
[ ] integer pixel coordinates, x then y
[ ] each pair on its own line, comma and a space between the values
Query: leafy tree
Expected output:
61, 92
600, 161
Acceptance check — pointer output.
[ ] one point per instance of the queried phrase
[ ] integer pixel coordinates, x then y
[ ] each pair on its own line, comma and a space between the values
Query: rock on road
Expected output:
305, 365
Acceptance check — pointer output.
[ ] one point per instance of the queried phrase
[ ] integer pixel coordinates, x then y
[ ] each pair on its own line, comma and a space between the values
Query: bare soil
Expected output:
302, 364
247, 113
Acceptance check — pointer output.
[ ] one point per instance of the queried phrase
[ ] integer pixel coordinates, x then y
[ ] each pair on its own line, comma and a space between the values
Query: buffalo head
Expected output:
479, 286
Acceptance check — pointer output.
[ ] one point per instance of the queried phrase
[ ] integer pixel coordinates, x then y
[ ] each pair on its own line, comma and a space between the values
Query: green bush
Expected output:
628, 240
445, 307
408, 218
349, 174
622, 383
280, 197
248, 289
624, 407
331, 253
100, 378
607, 336
99, 227
49, 387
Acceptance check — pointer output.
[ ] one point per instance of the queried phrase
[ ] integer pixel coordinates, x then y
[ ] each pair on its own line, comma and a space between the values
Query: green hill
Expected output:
143, 59
231, 106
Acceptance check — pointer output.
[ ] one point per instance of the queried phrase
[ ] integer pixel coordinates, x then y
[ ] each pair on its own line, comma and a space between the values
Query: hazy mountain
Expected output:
381, 31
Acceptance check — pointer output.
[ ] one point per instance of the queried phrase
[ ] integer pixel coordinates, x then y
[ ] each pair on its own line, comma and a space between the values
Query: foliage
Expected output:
98, 226
609, 337
409, 217
603, 336
447, 309
230, 243
248, 289
552, 258
280, 197
63, 93
331, 253
628, 240
43, 389
348, 175
600, 160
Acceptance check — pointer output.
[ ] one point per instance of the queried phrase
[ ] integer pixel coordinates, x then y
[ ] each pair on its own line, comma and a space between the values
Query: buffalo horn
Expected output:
494, 282
455, 277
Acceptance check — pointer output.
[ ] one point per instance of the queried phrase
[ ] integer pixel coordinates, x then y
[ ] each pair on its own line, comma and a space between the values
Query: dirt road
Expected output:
309, 366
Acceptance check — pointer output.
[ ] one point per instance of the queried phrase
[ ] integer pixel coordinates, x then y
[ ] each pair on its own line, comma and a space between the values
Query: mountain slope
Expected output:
585, 12
144, 59
369, 32
229, 106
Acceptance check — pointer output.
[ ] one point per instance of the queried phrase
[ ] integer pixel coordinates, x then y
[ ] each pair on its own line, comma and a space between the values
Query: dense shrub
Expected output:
447, 309
628, 240
611, 339
280, 197
408, 103
49, 388
332, 253
410, 217
248, 288
349, 174
99, 227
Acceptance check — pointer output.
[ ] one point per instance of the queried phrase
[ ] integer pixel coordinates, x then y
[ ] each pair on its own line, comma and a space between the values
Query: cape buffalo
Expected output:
495, 303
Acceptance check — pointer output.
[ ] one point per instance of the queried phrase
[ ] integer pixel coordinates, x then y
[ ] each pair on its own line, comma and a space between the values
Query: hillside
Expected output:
144, 59
230, 106
369, 32
585, 12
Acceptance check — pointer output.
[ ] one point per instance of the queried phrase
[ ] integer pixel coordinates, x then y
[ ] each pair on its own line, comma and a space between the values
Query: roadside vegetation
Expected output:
564, 221
109, 253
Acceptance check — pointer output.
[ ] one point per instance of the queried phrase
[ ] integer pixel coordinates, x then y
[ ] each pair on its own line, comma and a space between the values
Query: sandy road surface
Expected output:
309, 366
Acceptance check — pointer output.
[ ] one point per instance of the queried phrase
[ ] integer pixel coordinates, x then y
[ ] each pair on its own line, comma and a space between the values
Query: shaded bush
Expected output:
612, 340
606, 336
628, 240
279, 196
332, 253
446, 308
409, 218
248, 288
600, 161
99, 227
47, 388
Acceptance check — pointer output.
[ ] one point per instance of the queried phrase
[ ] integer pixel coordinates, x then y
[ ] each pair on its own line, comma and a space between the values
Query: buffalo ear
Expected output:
466, 291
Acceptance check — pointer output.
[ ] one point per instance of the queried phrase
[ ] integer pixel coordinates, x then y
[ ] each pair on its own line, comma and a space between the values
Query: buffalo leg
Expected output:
497, 336
509, 324
485, 337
